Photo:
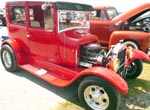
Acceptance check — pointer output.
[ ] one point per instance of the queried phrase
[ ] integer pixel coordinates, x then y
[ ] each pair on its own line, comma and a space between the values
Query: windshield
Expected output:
144, 16
73, 19
112, 13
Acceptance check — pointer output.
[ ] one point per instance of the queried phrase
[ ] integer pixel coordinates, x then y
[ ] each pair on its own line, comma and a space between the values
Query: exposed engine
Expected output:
91, 54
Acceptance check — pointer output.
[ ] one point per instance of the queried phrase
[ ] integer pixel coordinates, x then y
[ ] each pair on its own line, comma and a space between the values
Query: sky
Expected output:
121, 5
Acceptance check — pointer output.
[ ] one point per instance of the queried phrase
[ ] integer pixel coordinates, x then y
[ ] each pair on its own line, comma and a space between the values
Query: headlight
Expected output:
114, 65
129, 52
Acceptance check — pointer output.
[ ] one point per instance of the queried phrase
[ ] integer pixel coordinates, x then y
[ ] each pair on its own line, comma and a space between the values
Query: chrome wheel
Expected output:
7, 59
97, 94
96, 97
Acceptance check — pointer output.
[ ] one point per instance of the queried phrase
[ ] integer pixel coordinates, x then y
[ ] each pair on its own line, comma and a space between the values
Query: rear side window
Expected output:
17, 15
42, 19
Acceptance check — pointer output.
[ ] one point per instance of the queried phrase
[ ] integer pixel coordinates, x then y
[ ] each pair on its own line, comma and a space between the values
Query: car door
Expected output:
17, 25
41, 34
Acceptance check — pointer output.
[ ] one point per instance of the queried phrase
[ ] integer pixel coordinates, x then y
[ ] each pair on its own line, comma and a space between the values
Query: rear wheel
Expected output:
135, 69
8, 58
1, 22
97, 94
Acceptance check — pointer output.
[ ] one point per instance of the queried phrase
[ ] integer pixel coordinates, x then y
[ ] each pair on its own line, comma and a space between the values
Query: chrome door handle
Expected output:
28, 35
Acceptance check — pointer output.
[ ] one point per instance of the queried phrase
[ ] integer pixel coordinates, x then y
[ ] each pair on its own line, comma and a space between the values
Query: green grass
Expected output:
137, 88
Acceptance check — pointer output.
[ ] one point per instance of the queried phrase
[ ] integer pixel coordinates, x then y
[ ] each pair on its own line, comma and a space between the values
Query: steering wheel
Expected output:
145, 27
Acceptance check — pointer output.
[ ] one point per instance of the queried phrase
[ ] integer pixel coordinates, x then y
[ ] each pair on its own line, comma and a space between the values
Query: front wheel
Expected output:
134, 69
132, 44
97, 94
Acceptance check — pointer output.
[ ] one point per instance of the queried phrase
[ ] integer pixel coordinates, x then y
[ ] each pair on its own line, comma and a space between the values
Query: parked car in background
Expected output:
2, 17
132, 26
105, 13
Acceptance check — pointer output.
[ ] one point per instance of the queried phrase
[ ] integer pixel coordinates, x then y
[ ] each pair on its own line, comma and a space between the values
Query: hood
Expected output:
130, 13
80, 35
77, 36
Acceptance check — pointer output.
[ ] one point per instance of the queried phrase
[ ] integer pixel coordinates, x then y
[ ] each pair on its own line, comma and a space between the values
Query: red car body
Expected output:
51, 54
52, 41
123, 26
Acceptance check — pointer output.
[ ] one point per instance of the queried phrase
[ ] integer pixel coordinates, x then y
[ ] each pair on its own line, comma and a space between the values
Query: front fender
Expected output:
140, 37
19, 54
138, 54
113, 78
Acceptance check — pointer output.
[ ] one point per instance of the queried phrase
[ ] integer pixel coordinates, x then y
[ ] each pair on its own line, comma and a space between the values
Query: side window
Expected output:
112, 13
98, 15
17, 15
36, 17
102, 15
94, 15
48, 18
42, 19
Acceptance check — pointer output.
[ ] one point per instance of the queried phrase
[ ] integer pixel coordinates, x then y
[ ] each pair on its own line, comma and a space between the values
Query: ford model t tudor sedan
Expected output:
133, 26
51, 40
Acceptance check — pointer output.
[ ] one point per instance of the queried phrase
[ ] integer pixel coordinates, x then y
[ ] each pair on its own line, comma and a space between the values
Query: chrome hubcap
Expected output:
7, 59
96, 97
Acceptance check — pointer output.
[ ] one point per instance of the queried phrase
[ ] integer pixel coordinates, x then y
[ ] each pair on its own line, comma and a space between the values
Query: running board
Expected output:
46, 75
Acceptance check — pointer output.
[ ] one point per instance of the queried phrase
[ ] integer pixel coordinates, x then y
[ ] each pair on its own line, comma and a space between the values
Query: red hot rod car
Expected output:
51, 40
133, 26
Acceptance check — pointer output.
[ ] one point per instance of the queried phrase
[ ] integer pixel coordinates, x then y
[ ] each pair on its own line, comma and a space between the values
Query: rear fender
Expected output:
138, 54
114, 79
19, 54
